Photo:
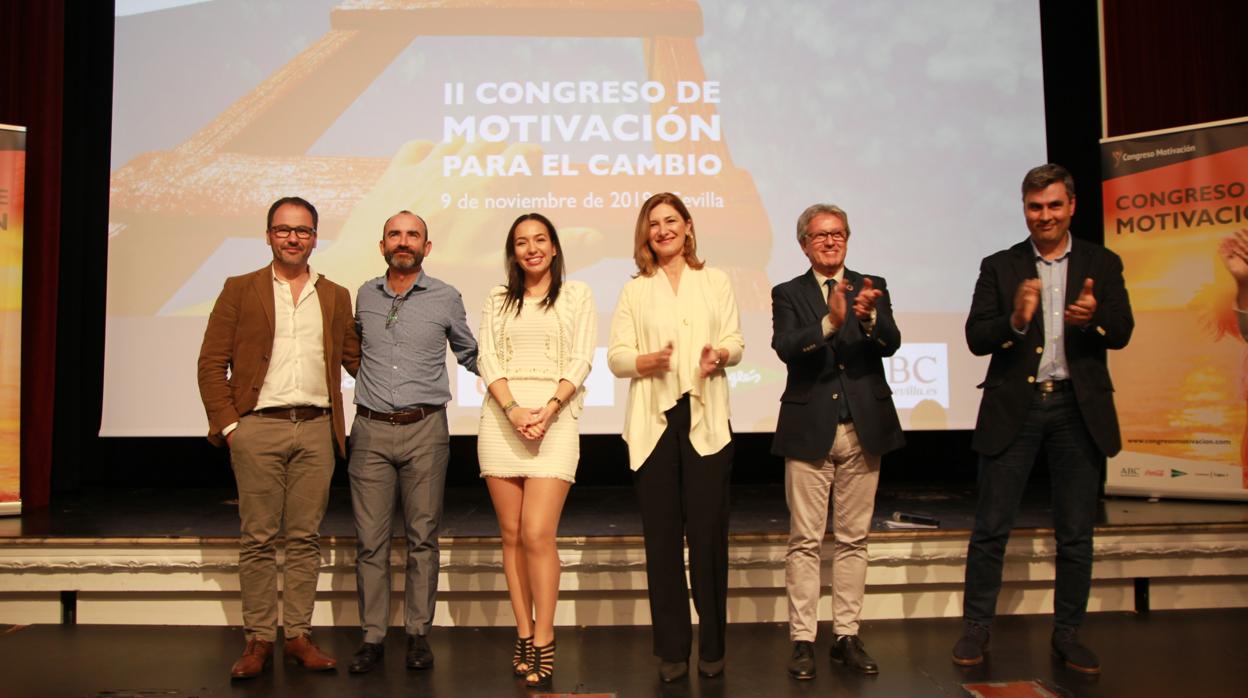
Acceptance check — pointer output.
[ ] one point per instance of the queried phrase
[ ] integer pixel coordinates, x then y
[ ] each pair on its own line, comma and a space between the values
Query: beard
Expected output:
404, 259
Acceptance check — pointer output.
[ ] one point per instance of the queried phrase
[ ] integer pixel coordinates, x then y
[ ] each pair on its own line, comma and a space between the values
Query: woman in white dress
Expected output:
536, 343
675, 329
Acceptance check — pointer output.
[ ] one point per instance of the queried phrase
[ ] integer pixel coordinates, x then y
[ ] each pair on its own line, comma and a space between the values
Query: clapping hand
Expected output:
656, 363
709, 362
864, 304
1081, 311
838, 305
1026, 300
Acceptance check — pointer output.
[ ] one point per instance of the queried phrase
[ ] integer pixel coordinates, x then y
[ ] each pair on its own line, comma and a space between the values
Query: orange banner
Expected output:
1176, 210
12, 197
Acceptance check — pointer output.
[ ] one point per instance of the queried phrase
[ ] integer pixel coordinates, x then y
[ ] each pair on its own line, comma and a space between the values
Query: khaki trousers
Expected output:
283, 470
850, 475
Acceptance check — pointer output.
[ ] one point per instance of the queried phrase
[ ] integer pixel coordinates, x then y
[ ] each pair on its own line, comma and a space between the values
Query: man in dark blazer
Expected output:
270, 376
831, 327
1046, 310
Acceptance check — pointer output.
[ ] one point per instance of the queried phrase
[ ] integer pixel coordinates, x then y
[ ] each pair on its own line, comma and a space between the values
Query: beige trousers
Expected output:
283, 470
849, 475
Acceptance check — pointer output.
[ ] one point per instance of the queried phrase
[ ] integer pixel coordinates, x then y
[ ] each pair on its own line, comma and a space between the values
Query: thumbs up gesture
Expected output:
1081, 311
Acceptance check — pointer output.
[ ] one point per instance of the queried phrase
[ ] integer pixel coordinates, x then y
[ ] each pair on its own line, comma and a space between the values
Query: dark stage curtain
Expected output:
1171, 64
31, 79
56, 80
1072, 105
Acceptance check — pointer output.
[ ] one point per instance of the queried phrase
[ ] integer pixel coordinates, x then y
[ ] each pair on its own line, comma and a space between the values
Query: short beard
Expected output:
401, 264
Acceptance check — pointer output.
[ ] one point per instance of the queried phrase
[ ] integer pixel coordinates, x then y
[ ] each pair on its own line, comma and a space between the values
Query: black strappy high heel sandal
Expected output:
543, 672
522, 656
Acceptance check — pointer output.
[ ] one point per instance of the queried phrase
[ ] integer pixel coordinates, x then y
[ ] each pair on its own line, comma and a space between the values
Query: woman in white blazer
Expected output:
675, 328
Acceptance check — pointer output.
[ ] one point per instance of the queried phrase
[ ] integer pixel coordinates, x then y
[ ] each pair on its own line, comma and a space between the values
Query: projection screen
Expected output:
918, 118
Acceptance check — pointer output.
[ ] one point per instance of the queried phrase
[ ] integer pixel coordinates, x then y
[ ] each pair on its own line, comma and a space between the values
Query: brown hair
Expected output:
647, 264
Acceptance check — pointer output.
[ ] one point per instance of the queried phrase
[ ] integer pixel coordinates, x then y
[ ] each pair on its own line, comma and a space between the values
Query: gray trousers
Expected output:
409, 461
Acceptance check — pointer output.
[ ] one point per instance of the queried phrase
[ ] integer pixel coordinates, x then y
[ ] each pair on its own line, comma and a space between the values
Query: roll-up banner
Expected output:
12, 197
1176, 210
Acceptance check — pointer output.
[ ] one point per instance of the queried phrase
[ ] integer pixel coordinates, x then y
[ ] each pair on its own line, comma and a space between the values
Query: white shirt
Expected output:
296, 374
648, 316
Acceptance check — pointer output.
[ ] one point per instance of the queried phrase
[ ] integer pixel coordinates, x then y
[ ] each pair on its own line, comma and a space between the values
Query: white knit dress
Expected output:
533, 351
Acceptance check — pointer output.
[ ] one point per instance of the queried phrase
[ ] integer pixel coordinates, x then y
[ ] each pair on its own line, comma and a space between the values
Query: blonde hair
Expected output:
646, 261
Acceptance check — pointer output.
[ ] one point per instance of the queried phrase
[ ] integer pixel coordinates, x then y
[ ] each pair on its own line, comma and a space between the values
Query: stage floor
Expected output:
756, 510
1173, 653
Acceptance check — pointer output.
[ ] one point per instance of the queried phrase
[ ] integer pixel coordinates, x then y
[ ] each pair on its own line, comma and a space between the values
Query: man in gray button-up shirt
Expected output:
400, 439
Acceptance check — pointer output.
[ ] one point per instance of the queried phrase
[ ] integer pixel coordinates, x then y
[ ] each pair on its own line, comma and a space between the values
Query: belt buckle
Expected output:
294, 415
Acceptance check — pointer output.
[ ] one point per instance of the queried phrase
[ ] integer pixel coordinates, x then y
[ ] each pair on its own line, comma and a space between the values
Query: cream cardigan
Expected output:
647, 317
570, 360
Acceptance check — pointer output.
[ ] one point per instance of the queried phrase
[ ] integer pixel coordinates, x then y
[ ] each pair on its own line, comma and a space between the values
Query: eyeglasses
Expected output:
302, 232
824, 236
393, 317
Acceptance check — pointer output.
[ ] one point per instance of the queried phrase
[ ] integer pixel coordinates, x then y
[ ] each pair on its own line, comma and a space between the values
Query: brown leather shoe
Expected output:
254, 660
308, 655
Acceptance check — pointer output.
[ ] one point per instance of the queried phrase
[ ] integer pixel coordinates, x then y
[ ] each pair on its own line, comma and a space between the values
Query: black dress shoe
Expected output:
367, 657
710, 670
1066, 647
848, 650
802, 663
970, 648
419, 654
673, 671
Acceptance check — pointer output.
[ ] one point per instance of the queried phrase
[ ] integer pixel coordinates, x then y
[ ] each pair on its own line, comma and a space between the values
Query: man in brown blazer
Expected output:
270, 376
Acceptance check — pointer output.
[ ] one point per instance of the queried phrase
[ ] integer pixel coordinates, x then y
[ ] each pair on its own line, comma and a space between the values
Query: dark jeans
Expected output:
684, 496
1054, 422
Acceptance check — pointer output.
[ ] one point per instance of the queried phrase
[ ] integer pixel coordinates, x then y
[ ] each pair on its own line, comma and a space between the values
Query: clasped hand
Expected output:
531, 423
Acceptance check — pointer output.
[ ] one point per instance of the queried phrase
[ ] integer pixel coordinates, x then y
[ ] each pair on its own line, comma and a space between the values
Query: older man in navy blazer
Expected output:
1046, 310
831, 327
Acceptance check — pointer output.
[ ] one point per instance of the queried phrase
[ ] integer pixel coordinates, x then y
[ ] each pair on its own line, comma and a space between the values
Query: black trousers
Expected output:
684, 496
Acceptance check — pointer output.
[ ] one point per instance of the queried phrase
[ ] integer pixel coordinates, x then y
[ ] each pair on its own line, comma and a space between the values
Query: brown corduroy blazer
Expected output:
239, 339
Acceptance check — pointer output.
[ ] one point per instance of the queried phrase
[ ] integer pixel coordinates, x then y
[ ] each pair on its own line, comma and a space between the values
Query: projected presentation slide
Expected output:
918, 118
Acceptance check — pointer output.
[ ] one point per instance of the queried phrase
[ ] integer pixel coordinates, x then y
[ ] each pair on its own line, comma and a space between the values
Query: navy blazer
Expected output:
809, 406
1009, 386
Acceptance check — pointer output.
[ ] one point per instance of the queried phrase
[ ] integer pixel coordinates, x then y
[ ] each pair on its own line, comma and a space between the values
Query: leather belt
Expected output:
1053, 386
294, 414
405, 417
